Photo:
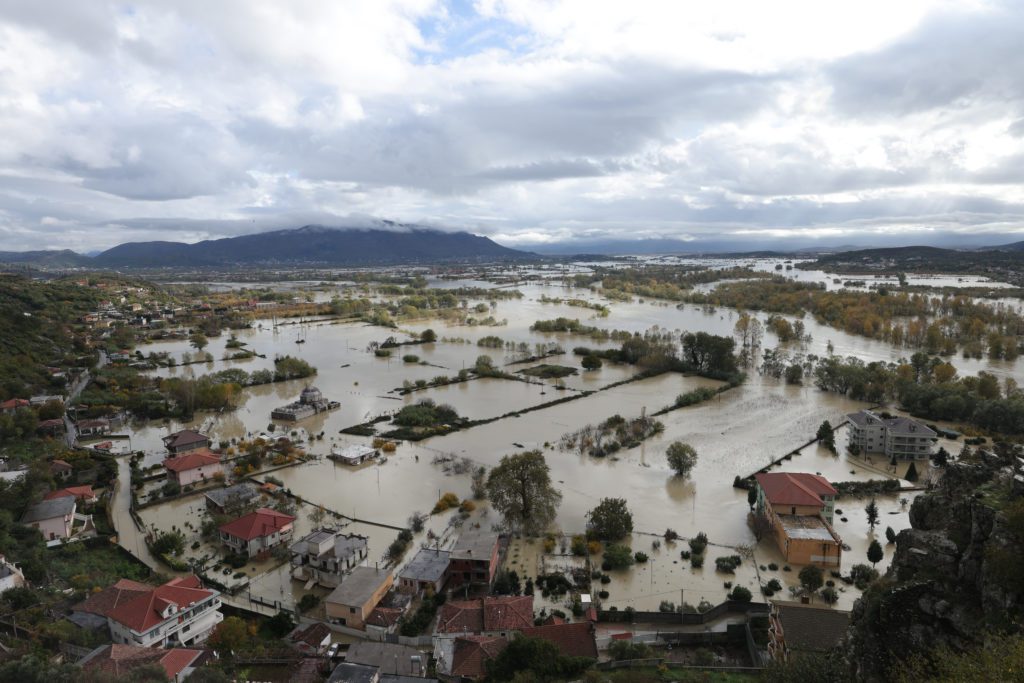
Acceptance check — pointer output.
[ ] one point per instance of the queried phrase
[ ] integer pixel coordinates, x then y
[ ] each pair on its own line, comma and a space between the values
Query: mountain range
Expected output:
311, 245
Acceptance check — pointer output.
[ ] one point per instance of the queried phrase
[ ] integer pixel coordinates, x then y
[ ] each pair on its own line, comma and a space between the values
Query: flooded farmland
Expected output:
737, 433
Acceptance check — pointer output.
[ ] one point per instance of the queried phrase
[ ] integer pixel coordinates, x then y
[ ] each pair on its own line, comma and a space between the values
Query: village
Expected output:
711, 539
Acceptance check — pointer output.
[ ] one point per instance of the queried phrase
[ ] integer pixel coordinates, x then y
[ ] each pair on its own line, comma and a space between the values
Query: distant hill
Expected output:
64, 258
313, 245
1013, 246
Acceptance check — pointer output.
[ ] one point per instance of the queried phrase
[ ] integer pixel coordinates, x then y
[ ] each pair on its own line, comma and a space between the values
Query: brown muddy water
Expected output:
736, 433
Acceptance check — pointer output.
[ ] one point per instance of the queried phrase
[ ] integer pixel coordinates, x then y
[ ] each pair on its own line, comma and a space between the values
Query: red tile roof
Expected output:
471, 653
191, 460
104, 602
118, 660
13, 403
486, 614
794, 488
312, 635
573, 640
144, 612
257, 524
384, 617
79, 492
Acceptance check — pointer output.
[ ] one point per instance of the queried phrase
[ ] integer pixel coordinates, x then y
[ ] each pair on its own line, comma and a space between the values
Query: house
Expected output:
310, 403
312, 639
230, 498
180, 612
184, 441
118, 661
351, 602
54, 518
474, 558
795, 628
257, 531
95, 427
92, 613
10, 575
61, 469
573, 640
52, 427
82, 494
388, 658
353, 455
327, 555
899, 438
488, 615
466, 657
798, 508
13, 405
194, 466
425, 573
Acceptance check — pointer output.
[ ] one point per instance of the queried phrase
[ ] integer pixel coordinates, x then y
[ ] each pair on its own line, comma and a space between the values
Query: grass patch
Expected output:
548, 371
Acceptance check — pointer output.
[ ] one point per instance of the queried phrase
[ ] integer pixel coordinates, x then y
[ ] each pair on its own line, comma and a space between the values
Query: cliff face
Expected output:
950, 580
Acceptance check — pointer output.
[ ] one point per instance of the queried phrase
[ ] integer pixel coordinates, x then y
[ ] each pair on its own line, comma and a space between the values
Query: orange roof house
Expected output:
195, 466
119, 660
798, 508
257, 531
82, 494
180, 611
486, 615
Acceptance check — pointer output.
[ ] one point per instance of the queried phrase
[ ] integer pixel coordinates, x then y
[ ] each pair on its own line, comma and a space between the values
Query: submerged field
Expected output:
737, 432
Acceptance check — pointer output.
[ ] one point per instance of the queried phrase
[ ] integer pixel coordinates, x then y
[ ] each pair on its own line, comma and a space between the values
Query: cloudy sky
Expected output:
526, 120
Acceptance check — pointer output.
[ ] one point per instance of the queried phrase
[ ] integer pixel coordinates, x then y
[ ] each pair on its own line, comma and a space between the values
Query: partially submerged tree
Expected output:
827, 436
610, 520
681, 457
872, 512
520, 489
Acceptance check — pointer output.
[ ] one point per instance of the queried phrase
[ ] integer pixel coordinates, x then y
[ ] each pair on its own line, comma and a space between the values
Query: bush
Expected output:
863, 576
410, 358
830, 596
446, 502
308, 602
740, 594
696, 561
727, 564
579, 545
698, 543
640, 557
617, 557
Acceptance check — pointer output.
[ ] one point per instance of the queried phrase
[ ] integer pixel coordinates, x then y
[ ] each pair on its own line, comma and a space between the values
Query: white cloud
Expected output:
533, 120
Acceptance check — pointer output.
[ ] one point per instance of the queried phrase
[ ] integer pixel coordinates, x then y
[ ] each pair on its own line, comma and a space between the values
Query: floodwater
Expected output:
737, 433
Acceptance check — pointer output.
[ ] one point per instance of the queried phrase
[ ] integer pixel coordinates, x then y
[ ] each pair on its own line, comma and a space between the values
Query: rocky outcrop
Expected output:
941, 590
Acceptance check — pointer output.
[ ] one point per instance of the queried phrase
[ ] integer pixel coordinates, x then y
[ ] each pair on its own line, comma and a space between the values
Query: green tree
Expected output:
541, 658
811, 578
681, 457
872, 512
591, 362
169, 543
199, 341
428, 336
281, 623
751, 497
890, 535
520, 489
617, 557
875, 552
827, 436
740, 594
911, 473
610, 520
230, 636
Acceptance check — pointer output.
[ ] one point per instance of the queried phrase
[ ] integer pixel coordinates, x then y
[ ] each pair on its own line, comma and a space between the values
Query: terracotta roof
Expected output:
257, 524
184, 438
384, 617
486, 614
794, 488
79, 492
104, 602
60, 465
12, 403
552, 620
573, 640
471, 653
312, 635
191, 460
144, 612
118, 660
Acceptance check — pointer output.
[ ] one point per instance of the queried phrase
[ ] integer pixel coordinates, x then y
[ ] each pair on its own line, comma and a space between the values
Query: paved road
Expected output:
70, 433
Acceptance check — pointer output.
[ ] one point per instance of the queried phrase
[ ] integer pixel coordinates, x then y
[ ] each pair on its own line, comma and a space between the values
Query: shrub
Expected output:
774, 567
617, 557
862, 575
603, 594
446, 502
740, 594
727, 564
698, 543
696, 561
579, 545
640, 557
410, 358
308, 602
830, 596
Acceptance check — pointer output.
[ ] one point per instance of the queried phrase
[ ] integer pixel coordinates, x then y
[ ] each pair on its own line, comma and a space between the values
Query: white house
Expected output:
54, 518
327, 555
179, 613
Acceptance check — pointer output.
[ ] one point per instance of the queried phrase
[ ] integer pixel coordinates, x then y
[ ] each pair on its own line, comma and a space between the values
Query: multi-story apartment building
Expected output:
899, 438
327, 555
179, 613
